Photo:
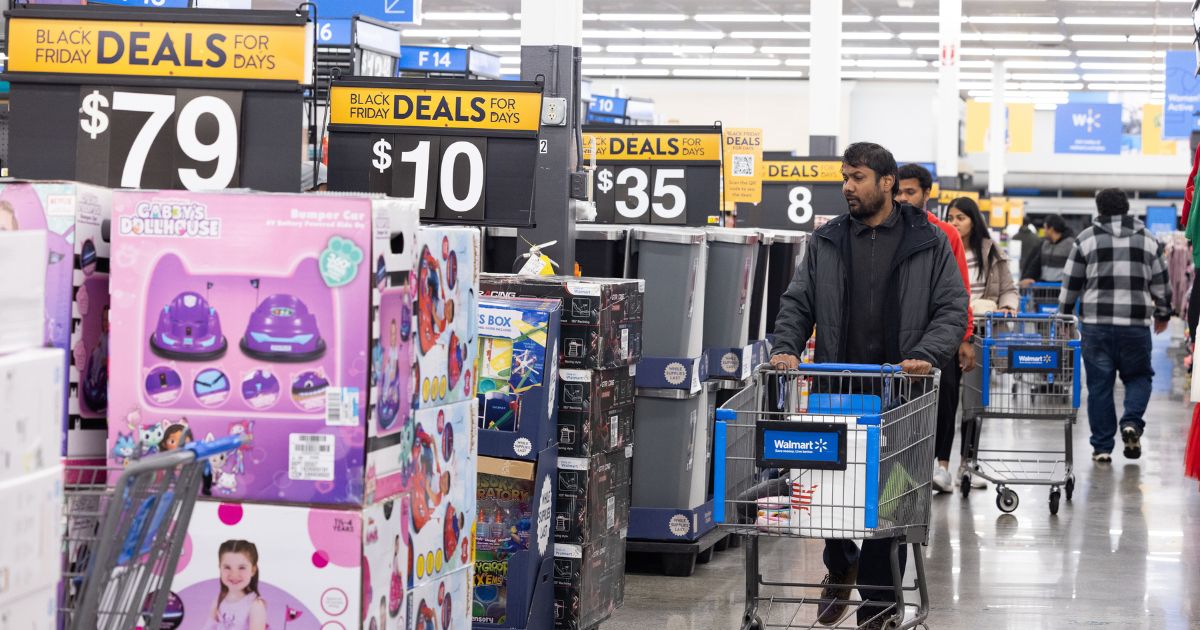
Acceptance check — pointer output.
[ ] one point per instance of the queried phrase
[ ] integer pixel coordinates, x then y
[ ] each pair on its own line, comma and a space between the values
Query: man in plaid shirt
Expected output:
1116, 269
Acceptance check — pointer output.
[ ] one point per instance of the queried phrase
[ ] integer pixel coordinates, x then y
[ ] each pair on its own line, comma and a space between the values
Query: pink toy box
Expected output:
75, 217
260, 314
445, 319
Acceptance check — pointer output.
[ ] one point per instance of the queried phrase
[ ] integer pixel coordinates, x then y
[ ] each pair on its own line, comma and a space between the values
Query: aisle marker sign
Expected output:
743, 165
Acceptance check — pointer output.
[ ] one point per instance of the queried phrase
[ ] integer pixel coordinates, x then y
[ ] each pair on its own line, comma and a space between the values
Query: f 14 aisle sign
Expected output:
795, 192
158, 98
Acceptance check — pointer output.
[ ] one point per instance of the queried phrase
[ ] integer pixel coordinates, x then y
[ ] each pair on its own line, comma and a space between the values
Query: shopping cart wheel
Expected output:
964, 485
752, 623
1070, 486
1006, 500
1055, 495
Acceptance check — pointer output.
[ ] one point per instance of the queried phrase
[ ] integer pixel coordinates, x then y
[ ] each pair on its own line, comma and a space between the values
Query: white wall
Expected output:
898, 115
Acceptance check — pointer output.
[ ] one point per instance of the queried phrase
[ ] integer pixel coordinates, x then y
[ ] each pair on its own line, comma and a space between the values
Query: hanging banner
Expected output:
743, 165
997, 210
1182, 95
797, 194
978, 123
1016, 212
1088, 128
1152, 132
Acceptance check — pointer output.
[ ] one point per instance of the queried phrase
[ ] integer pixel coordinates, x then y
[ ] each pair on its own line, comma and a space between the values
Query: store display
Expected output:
593, 496
601, 318
445, 317
672, 473
23, 294
30, 533
31, 383
589, 581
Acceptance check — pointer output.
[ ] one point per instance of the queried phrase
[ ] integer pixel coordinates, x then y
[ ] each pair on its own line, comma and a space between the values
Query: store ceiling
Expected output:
1050, 46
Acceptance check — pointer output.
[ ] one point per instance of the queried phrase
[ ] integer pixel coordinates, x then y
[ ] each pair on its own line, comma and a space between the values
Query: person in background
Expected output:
882, 286
916, 183
1048, 261
1117, 271
1030, 242
991, 280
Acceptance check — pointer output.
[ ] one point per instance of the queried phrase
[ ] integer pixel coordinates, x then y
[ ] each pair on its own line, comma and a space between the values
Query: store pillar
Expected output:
948, 103
825, 78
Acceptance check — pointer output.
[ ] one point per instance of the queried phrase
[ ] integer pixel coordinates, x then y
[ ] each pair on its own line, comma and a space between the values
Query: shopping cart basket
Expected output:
829, 451
1029, 370
122, 540
1040, 297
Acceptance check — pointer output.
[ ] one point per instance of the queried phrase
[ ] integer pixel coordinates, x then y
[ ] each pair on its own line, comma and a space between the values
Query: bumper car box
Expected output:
445, 321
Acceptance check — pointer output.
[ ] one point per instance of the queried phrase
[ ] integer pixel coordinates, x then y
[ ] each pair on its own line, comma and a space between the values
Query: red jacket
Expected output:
1187, 192
960, 255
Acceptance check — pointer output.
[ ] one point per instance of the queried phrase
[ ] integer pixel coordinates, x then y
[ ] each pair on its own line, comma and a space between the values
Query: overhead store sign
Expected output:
402, 11
464, 150
442, 60
795, 194
743, 165
1089, 128
669, 175
171, 98
1182, 89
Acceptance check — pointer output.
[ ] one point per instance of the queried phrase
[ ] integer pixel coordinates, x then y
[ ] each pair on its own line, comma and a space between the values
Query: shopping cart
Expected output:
1029, 370
122, 541
829, 451
1040, 297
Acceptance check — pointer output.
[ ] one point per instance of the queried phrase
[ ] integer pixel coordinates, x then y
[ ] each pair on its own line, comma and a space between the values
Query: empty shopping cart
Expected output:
1040, 297
123, 540
829, 451
1029, 372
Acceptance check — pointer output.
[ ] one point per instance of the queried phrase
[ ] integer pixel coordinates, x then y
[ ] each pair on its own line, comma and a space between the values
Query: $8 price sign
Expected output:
445, 175
642, 194
152, 138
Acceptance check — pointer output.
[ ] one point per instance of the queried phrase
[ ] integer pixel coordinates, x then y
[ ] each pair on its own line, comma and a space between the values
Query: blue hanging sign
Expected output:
1182, 95
608, 106
400, 11
1089, 128
433, 59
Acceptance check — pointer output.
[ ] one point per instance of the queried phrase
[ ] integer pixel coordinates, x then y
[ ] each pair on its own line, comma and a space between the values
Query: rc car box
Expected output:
593, 496
589, 581
445, 314
583, 434
595, 392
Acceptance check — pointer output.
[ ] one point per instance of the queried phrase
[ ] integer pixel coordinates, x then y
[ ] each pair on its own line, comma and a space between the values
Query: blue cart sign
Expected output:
802, 445
1034, 359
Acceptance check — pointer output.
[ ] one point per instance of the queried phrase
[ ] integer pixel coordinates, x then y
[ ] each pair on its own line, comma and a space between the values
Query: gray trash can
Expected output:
732, 254
784, 249
600, 250
500, 250
670, 462
673, 262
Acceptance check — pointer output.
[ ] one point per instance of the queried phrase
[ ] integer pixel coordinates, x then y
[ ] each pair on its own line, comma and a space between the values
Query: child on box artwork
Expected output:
239, 606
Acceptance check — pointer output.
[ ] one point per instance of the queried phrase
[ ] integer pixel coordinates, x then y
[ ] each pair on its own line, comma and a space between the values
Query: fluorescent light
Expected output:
685, 35
1128, 65
985, 86
1122, 54
1044, 76
1070, 87
737, 17
1102, 78
1028, 52
626, 72
988, 37
1099, 38
492, 32
1162, 39
866, 35
920, 36
510, 60
976, 63
798, 62
1123, 87
735, 50
1010, 19
856, 19
1039, 65
910, 19
665, 49
738, 74
901, 74
876, 50
502, 48
786, 50
641, 17
980, 76
1126, 21
465, 16
770, 35
612, 61
886, 63
710, 62
591, 48
439, 33
624, 34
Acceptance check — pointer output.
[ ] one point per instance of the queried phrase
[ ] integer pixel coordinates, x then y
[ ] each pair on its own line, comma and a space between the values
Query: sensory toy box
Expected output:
444, 318
518, 375
260, 315
593, 496
31, 382
75, 218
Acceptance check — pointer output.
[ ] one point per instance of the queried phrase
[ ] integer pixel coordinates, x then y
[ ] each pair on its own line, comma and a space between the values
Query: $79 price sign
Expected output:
159, 138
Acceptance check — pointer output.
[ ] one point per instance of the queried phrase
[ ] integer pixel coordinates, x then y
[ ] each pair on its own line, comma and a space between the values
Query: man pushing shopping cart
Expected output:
879, 286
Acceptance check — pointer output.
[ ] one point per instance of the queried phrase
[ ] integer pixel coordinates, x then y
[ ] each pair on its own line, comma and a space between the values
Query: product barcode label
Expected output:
341, 407
614, 427
310, 457
611, 521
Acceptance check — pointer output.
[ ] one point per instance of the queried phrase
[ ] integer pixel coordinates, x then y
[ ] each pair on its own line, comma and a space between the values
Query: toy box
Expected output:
75, 218
601, 318
216, 331
595, 392
518, 375
593, 496
304, 568
30, 533
23, 292
444, 604
445, 318
31, 382
589, 581
35, 611
512, 534
583, 435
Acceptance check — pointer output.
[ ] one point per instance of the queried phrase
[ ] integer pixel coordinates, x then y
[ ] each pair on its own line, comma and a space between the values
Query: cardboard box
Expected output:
444, 604
593, 496
23, 292
31, 383
518, 380
585, 434
255, 314
316, 567
76, 218
601, 318
35, 611
31, 533
589, 581
596, 392
445, 320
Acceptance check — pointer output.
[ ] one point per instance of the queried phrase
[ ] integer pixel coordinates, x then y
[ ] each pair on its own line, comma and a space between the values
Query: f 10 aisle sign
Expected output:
795, 192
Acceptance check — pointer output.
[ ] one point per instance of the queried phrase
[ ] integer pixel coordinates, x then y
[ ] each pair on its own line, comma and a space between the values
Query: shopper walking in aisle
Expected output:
1116, 270
916, 184
992, 286
1048, 261
1030, 242
882, 286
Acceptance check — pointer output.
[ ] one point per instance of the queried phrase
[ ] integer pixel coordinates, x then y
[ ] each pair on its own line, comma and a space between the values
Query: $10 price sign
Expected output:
465, 151
794, 192
668, 175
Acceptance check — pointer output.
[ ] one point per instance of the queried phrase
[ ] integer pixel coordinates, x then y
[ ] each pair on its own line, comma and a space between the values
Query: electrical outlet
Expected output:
554, 112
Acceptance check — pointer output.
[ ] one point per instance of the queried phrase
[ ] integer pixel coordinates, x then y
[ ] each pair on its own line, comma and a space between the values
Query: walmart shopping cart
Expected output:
1029, 370
1040, 297
829, 451
122, 541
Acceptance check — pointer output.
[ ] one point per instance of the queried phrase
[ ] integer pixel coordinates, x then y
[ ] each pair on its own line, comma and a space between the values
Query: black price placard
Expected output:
464, 151
664, 175
795, 192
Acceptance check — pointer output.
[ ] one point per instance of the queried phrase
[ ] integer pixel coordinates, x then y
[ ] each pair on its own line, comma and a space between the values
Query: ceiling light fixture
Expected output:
665, 49
737, 17
710, 62
786, 50
465, 16
738, 74
770, 35
641, 17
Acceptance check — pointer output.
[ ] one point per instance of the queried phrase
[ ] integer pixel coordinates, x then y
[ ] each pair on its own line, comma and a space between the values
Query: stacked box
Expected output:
22, 294
596, 409
445, 314
589, 581
31, 533
593, 496
31, 382
601, 318
75, 218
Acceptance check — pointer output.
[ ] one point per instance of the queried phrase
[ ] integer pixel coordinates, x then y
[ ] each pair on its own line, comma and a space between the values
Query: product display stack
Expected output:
338, 339
33, 382
600, 347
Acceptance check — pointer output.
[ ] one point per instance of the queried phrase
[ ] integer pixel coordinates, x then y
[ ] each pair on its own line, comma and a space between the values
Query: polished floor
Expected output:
1124, 554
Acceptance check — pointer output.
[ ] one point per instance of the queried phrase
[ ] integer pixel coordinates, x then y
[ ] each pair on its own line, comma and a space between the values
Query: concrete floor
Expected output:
1124, 554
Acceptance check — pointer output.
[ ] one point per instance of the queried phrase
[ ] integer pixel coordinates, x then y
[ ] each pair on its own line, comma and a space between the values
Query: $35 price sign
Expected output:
159, 138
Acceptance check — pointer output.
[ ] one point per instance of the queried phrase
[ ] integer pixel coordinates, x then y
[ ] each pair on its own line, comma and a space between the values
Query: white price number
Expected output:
456, 153
373, 64
800, 210
666, 199
433, 58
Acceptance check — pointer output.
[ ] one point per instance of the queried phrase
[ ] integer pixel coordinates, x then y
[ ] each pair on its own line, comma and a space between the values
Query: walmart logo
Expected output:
1090, 120
819, 445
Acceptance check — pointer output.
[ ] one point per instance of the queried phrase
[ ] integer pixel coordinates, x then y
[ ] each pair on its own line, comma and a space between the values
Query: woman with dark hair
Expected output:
991, 280
1047, 265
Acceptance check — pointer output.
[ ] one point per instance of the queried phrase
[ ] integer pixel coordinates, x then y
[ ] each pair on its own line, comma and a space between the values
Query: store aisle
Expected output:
1121, 555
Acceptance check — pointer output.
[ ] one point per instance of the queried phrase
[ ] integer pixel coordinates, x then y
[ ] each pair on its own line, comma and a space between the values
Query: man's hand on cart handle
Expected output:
916, 366
966, 356
785, 362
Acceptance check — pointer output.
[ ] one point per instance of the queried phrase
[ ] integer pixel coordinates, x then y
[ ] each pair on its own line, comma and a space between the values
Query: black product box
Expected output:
589, 582
601, 317
582, 434
596, 391
593, 496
